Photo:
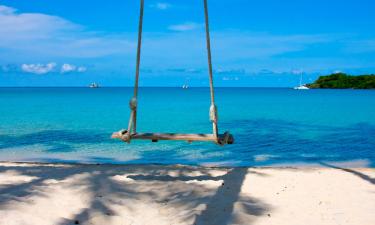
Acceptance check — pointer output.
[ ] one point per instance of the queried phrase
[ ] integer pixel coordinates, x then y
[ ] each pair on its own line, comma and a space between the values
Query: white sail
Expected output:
301, 86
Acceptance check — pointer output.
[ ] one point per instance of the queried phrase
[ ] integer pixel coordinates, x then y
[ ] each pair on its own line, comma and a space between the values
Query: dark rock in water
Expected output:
76, 222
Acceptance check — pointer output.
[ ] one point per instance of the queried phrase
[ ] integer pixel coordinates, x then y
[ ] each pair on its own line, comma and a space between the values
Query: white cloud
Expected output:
230, 78
42, 37
185, 26
6, 10
23, 34
66, 68
38, 68
230, 49
81, 69
161, 6
297, 71
30, 26
230, 71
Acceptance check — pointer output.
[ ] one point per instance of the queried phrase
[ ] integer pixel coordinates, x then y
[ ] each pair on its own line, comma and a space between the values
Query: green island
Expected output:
344, 81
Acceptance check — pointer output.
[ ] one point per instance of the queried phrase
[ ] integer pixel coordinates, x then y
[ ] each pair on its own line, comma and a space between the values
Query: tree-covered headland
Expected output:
344, 81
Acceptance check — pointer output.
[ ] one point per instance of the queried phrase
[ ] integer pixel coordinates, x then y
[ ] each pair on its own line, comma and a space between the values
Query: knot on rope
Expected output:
133, 104
213, 113
124, 135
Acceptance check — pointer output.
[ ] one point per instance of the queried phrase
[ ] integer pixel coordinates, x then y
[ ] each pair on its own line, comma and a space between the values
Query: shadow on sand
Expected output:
352, 171
181, 193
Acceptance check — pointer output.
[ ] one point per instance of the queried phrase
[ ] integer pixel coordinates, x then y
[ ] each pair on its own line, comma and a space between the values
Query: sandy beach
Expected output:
135, 194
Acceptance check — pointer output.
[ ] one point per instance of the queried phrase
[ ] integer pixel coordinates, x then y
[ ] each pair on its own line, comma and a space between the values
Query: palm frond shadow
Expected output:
363, 176
178, 193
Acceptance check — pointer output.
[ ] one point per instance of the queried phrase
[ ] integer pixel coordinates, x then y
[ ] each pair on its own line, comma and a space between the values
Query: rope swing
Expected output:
130, 133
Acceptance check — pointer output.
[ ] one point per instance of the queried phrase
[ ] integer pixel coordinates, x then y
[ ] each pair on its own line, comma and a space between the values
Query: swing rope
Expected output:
132, 126
213, 108
131, 132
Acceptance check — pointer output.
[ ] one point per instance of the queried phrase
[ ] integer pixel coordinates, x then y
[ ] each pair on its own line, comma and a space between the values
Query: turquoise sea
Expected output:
271, 126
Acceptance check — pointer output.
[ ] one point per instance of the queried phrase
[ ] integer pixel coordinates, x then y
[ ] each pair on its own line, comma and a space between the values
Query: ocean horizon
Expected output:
271, 126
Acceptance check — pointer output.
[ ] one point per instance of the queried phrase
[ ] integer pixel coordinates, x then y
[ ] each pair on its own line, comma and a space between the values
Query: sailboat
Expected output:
301, 86
186, 85
94, 85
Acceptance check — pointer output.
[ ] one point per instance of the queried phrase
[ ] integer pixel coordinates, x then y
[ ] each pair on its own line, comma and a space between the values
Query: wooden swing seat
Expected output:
225, 138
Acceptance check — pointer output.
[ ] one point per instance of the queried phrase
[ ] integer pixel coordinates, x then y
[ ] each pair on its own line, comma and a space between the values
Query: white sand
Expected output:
90, 194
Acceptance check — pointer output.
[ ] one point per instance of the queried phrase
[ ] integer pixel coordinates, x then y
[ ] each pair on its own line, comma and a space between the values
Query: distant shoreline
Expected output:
344, 81
200, 87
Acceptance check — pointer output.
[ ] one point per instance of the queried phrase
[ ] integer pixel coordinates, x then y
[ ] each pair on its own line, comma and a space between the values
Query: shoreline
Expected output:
51, 193
353, 164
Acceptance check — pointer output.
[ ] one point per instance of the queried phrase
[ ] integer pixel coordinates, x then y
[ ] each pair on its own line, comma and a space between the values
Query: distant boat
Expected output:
301, 86
186, 84
94, 85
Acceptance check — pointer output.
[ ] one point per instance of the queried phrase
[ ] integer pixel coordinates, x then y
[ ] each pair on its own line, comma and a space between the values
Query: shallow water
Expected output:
271, 126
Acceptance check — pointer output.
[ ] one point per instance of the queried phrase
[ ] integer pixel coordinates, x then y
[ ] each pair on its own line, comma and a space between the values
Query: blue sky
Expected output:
265, 43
